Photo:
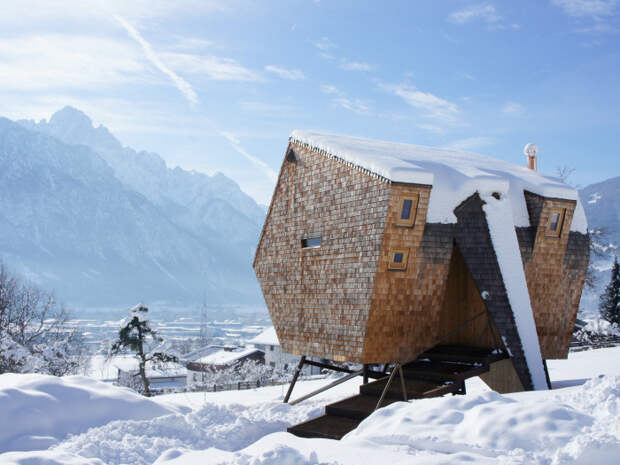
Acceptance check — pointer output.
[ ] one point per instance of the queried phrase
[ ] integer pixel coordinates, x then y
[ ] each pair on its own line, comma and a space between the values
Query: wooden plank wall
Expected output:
462, 303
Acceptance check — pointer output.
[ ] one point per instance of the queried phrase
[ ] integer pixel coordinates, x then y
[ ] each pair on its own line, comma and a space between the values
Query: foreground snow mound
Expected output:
226, 427
266, 454
487, 421
600, 443
285, 449
39, 411
46, 457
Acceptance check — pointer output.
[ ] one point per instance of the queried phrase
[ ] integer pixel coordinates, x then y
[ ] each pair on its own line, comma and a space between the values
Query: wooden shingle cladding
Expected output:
319, 297
555, 272
403, 313
377, 289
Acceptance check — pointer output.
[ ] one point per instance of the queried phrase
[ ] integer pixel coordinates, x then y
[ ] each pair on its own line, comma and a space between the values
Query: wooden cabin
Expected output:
375, 252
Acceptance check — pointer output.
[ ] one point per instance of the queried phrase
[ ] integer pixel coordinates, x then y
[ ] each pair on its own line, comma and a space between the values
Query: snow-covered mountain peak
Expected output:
74, 126
100, 223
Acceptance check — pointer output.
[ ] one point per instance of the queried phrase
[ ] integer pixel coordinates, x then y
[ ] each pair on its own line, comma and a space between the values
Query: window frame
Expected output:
407, 222
305, 240
557, 232
398, 266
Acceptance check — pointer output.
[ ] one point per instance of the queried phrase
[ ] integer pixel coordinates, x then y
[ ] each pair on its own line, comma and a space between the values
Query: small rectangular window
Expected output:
556, 221
310, 242
398, 259
407, 211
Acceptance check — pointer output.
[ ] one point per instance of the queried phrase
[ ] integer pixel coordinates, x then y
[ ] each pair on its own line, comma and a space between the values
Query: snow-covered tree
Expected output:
137, 335
609, 305
249, 371
35, 336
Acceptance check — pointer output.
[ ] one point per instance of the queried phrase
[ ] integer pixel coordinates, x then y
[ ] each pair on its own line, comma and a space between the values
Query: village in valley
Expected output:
309, 233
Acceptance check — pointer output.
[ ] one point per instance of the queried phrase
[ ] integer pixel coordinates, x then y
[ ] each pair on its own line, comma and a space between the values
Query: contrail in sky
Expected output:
271, 174
179, 82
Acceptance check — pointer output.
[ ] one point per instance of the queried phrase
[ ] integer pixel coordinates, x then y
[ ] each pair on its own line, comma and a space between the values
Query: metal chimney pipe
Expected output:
530, 150
531, 162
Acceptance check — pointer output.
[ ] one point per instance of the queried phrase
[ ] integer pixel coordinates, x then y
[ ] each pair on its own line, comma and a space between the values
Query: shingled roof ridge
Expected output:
333, 156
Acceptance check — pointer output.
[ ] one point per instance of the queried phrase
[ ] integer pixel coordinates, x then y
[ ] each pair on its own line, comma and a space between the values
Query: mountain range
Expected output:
103, 224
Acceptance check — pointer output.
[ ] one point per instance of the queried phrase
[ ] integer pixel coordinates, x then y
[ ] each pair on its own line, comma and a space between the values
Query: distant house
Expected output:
267, 341
197, 371
172, 376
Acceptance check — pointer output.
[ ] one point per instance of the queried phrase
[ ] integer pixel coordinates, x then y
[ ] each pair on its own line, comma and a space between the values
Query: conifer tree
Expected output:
609, 305
136, 334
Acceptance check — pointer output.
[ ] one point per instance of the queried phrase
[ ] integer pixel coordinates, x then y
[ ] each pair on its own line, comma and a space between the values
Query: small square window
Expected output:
555, 222
407, 211
311, 242
398, 259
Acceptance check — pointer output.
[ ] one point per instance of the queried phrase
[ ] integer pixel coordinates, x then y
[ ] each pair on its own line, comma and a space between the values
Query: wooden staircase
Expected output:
437, 372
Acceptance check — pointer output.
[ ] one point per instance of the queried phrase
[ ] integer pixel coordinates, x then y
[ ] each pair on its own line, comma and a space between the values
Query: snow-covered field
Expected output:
77, 420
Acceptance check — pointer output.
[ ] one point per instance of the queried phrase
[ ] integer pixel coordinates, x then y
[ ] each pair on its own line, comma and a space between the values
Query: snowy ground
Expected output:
77, 420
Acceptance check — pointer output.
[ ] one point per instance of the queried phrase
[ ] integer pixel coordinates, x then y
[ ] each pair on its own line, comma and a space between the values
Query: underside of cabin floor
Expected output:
437, 372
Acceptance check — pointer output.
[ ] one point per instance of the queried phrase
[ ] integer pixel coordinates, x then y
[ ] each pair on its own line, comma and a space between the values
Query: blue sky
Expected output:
219, 86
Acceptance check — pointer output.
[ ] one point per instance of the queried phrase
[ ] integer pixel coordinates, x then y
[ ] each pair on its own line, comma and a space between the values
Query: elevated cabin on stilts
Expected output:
428, 261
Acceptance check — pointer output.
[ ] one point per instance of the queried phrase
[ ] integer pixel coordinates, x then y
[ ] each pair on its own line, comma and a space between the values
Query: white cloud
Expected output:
236, 144
329, 89
356, 105
324, 44
431, 128
355, 65
268, 108
48, 12
434, 107
483, 11
513, 109
587, 8
184, 87
293, 74
470, 143
213, 67
56, 61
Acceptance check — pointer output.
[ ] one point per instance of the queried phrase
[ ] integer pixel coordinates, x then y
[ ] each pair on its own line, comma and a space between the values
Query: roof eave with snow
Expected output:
454, 175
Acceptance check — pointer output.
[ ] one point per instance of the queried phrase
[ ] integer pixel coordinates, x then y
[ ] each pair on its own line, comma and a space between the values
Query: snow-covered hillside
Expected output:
602, 208
79, 421
102, 225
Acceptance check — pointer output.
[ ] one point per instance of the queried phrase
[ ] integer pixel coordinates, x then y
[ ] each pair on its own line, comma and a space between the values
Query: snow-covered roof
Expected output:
267, 337
226, 357
454, 175
129, 364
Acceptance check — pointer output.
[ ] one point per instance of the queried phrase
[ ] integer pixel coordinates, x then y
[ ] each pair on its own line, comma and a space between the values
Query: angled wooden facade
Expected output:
351, 270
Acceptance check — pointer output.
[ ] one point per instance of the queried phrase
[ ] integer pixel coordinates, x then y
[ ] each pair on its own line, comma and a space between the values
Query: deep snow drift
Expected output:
576, 423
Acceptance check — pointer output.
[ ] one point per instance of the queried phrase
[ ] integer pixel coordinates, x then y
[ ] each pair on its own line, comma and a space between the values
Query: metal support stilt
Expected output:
402, 382
387, 386
302, 360
547, 373
325, 388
